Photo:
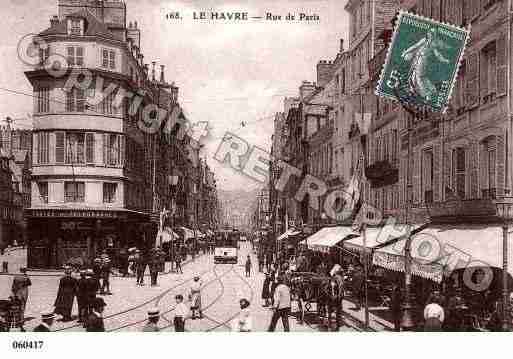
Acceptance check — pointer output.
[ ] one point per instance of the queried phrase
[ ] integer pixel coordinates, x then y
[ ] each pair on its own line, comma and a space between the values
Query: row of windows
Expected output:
361, 16
74, 191
75, 57
76, 147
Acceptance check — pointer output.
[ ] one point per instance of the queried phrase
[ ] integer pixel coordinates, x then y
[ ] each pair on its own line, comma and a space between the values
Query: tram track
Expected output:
140, 305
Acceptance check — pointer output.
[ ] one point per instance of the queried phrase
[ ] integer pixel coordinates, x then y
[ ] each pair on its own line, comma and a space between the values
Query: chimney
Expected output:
153, 70
9, 135
162, 80
324, 72
54, 20
341, 45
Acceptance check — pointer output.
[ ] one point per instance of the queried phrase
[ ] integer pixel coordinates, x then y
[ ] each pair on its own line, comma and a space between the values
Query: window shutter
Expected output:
472, 74
458, 12
483, 166
467, 11
35, 149
483, 74
89, 147
437, 172
502, 70
474, 169
105, 149
417, 159
435, 7
446, 173
121, 140
501, 161
59, 147
475, 8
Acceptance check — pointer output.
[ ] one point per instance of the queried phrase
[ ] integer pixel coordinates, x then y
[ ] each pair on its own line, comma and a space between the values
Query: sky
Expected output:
227, 72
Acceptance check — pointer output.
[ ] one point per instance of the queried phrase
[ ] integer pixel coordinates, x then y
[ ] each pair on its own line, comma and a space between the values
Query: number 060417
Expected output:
27, 344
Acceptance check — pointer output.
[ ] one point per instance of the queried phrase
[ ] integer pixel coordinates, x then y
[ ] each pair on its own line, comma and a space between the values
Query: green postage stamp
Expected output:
422, 62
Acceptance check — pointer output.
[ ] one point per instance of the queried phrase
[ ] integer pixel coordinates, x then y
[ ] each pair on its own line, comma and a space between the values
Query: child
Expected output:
181, 313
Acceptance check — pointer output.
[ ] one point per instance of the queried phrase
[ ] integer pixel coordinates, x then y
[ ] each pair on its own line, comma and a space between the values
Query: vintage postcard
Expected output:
250, 166
422, 62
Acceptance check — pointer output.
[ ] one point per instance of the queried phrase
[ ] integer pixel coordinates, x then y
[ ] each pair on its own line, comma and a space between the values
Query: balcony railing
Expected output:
382, 173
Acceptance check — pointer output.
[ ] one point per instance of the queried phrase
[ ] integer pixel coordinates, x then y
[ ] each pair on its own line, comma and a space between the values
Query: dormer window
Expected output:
75, 26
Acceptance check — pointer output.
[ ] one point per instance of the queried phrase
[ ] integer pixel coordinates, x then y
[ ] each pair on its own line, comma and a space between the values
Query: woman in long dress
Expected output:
66, 295
195, 298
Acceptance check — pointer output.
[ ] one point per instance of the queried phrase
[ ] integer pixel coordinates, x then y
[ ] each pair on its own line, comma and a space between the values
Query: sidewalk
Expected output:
376, 323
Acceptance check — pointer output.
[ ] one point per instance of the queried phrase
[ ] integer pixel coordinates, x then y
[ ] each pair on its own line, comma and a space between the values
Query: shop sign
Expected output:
74, 213
71, 225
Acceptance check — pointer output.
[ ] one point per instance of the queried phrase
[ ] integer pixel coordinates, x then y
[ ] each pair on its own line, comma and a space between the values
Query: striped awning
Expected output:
328, 237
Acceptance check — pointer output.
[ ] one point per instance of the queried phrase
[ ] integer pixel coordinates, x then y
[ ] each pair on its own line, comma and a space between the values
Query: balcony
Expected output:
382, 173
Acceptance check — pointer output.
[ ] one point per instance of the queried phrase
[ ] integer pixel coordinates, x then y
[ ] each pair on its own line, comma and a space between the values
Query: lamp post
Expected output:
505, 212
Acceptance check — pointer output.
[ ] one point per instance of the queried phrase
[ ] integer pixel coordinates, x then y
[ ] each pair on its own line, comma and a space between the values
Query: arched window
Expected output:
487, 167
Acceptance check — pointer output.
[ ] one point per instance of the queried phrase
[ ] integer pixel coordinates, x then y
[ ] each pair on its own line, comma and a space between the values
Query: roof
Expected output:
93, 26
440, 250
328, 237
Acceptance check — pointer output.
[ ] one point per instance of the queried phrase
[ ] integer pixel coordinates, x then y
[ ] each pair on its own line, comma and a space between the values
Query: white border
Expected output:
400, 17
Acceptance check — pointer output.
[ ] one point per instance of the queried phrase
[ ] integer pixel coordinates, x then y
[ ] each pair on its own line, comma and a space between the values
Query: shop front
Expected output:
58, 237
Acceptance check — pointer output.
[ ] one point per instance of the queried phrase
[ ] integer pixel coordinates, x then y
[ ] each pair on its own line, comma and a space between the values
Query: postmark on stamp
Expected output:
422, 62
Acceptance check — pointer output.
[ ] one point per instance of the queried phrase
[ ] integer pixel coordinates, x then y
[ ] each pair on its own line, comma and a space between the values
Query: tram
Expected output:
227, 246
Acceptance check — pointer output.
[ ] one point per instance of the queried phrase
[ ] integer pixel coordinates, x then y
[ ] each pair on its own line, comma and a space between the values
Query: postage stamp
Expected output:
422, 62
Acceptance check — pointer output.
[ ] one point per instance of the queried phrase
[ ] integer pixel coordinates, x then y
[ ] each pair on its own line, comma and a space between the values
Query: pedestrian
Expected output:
154, 266
434, 314
260, 262
248, 266
97, 271
66, 295
178, 262
266, 293
195, 298
357, 284
47, 319
281, 306
181, 314
82, 296
243, 322
395, 307
456, 310
141, 267
153, 319
106, 269
20, 290
95, 319
91, 288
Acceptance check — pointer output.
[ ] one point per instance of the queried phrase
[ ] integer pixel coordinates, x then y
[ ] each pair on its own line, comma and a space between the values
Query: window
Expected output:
43, 191
109, 59
458, 172
43, 100
44, 54
427, 175
75, 56
75, 27
74, 192
89, 147
75, 100
113, 150
109, 192
107, 105
59, 147
488, 71
488, 166
75, 148
43, 147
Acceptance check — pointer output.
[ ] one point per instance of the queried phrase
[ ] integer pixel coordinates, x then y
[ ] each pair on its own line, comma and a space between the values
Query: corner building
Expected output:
92, 166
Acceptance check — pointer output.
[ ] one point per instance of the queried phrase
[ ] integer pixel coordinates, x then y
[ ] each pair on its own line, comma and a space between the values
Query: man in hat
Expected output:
97, 270
195, 298
95, 319
140, 267
91, 288
153, 319
47, 319
105, 270
82, 297
282, 305
19, 288
66, 295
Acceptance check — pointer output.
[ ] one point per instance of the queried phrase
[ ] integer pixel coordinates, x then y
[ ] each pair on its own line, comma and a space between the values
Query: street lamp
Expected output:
505, 212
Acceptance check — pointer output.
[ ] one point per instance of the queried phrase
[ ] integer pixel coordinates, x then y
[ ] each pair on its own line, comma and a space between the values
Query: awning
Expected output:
439, 250
168, 235
379, 236
287, 234
328, 237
